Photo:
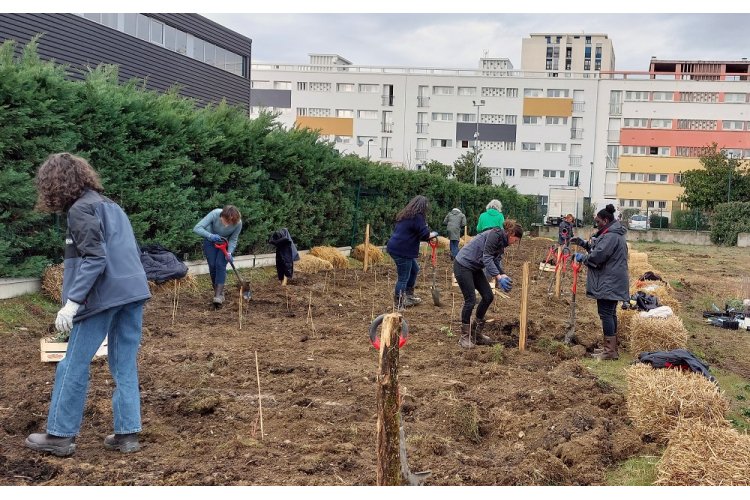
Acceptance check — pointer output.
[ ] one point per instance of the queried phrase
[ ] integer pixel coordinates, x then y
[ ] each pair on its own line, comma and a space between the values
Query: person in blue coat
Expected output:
104, 289
403, 247
218, 225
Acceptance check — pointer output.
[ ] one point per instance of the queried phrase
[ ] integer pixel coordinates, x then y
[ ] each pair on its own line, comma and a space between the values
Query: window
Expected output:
342, 139
636, 96
510, 172
442, 143
552, 174
532, 120
557, 120
661, 123
555, 147
635, 123
437, 90
529, 146
367, 114
656, 204
466, 117
467, 91
630, 203
369, 88
677, 178
508, 146
345, 113
442, 117
574, 178
732, 97
557, 92
301, 85
282, 85
322, 112
511, 92
663, 96
510, 119
528, 172
732, 125
631, 177
634, 150
533, 93
344, 87
656, 178
301, 111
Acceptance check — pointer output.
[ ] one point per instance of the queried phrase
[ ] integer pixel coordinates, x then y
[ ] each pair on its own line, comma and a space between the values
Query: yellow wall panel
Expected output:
547, 106
656, 164
648, 191
326, 125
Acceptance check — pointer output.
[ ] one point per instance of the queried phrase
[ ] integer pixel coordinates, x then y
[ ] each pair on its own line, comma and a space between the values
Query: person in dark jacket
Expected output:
455, 220
218, 225
607, 281
566, 230
403, 247
104, 289
286, 253
480, 257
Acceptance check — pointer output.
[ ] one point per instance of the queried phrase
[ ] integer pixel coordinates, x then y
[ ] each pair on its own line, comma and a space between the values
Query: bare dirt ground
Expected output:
487, 416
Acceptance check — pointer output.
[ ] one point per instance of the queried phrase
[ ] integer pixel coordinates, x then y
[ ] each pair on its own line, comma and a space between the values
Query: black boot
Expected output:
219, 295
465, 340
125, 443
478, 337
58, 446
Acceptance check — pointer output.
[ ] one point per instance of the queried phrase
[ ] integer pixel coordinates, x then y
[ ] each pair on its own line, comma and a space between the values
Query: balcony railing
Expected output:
610, 189
387, 100
420, 154
386, 152
578, 106
423, 102
422, 128
575, 160
386, 127
611, 164
576, 133
613, 136
615, 108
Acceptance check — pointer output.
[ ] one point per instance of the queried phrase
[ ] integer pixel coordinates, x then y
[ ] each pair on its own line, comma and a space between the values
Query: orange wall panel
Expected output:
690, 138
547, 106
326, 125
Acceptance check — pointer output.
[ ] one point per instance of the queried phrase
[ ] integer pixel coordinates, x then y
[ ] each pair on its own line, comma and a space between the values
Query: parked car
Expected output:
639, 222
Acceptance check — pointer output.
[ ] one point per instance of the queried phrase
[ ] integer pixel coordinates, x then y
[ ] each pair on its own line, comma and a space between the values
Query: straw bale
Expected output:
188, 282
638, 258
332, 255
444, 243
374, 254
624, 320
463, 241
52, 280
658, 397
311, 264
656, 334
665, 298
705, 455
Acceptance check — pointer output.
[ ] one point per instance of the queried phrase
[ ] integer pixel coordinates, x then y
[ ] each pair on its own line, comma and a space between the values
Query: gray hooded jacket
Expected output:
607, 263
455, 220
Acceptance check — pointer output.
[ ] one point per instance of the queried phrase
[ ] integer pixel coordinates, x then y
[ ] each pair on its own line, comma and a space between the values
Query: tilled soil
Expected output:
485, 416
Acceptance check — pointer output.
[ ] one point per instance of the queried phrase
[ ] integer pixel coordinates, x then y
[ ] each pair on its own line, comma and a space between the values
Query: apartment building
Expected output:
206, 60
560, 54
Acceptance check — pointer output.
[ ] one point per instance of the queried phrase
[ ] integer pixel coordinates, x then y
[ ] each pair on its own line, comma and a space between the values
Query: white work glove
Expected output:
433, 234
64, 321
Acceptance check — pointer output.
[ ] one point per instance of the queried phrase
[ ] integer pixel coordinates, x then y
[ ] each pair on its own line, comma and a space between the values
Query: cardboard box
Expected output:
52, 351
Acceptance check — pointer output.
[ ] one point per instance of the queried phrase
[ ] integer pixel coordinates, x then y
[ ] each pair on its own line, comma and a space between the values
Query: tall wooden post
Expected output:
367, 245
524, 307
466, 232
387, 452
558, 272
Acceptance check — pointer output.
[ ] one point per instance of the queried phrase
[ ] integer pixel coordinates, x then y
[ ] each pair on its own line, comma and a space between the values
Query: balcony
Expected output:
386, 152
420, 154
615, 108
576, 133
386, 127
423, 102
422, 128
610, 189
578, 106
613, 136
575, 160
387, 100
611, 164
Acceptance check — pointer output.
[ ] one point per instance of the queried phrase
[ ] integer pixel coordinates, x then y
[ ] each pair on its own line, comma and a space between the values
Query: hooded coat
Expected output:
286, 253
607, 263
455, 220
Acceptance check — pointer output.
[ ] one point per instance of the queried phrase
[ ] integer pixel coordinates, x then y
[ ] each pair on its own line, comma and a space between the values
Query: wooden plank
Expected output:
558, 272
52, 351
524, 307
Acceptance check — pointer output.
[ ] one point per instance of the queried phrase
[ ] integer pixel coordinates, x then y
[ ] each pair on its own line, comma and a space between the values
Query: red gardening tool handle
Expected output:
434, 244
576, 267
223, 247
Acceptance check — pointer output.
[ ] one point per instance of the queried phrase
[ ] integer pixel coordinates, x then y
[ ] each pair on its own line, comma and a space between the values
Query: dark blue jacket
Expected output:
102, 260
485, 251
407, 234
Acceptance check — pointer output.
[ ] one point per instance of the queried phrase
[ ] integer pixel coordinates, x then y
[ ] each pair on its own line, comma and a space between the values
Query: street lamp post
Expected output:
478, 104
368, 148
730, 164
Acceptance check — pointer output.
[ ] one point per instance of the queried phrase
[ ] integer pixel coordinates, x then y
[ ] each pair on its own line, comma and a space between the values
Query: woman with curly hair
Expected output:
104, 289
403, 247
220, 224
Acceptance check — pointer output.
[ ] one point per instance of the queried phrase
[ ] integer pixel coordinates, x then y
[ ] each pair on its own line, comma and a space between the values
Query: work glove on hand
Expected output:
433, 234
579, 256
504, 282
64, 320
577, 241
214, 238
229, 257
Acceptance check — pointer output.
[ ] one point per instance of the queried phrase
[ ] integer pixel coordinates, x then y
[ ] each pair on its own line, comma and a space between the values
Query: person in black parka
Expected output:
286, 253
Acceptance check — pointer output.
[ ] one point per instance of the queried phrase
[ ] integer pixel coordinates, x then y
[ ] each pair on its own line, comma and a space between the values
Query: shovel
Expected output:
434, 288
571, 333
246, 292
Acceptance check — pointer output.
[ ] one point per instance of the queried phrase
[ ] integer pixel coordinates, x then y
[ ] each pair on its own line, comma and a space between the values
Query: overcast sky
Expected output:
450, 40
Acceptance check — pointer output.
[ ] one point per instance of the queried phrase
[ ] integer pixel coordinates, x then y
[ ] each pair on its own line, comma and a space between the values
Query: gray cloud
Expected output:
459, 40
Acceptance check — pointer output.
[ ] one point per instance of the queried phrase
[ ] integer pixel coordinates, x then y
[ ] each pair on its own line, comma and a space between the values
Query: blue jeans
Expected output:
217, 263
123, 324
454, 248
607, 310
407, 270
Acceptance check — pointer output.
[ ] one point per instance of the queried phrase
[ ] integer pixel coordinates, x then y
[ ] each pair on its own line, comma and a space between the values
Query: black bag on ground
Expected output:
676, 358
161, 265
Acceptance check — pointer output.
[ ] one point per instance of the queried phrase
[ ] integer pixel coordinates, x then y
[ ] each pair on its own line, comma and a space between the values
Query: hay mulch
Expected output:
656, 334
463, 241
444, 243
639, 258
638, 269
665, 298
374, 254
624, 321
705, 455
311, 264
657, 398
52, 282
188, 282
337, 259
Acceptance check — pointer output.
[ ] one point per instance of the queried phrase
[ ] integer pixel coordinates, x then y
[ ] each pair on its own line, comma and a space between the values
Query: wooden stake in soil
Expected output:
387, 450
453, 307
367, 247
524, 307
175, 299
239, 301
558, 273
309, 313
260, 404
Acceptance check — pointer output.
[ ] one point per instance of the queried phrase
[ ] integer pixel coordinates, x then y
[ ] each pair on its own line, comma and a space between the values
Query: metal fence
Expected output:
660, 218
